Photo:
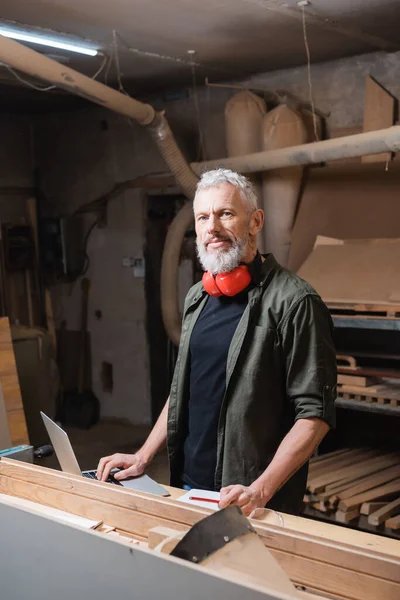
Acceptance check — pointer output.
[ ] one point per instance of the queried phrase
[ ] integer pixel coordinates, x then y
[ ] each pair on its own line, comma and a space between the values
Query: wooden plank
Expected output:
323, 457
335, 466
389, 510
347, 516
346, 561
10, 387
161, 534
378, 114
301, 570
125, 518
393, 523
31, 212
371, 481
334, 462
369, 465
369, 507
356, 380
390, 390
379, 492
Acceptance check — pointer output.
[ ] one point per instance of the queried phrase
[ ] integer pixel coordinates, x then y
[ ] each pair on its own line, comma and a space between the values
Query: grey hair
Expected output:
218, 177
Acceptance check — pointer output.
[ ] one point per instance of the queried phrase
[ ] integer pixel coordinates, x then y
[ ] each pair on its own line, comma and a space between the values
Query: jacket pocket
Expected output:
257, 350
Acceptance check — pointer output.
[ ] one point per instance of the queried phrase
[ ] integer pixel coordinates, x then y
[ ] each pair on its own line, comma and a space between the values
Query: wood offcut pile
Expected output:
352, 482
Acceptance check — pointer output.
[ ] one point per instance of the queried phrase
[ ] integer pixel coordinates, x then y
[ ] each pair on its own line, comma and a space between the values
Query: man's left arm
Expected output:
310, 362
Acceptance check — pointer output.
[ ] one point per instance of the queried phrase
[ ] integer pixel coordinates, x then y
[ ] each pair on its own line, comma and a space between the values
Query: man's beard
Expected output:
222, 260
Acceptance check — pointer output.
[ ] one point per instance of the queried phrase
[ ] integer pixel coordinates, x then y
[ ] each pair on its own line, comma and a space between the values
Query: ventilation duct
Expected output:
244, 114
282, 127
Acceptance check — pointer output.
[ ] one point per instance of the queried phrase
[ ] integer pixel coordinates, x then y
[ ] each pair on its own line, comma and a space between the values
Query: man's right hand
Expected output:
132, 465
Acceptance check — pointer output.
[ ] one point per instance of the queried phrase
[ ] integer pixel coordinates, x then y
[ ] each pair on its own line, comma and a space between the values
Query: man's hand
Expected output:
133, 465
248, 498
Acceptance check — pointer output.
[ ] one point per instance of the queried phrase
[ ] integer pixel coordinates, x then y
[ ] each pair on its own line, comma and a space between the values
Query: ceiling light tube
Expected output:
38, 39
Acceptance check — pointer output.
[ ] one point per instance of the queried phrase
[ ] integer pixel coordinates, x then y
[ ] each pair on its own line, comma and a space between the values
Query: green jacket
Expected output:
281, 367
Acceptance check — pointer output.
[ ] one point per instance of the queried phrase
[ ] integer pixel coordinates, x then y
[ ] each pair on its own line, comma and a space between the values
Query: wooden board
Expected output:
381, 491
389, 510
372, 481
358, 380
337, 568
360, 275
10, 387
341, 202
333, 463
383, 393
393, 522
378, 114
368, 508
364, 467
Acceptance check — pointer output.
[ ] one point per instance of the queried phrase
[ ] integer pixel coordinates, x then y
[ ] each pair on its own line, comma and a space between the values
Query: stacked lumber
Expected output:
353, 482
354, 383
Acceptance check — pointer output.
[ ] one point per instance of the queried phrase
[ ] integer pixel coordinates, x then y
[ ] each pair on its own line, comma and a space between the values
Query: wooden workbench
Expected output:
323, 559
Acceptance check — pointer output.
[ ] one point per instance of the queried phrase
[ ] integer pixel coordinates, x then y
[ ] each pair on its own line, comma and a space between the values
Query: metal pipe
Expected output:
350, 146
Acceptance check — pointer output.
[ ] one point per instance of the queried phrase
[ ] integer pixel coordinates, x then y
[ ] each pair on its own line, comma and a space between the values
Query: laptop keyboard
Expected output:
92, 475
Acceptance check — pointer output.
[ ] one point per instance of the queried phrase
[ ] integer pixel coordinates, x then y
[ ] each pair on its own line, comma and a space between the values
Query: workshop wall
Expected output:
81, 155
16, 165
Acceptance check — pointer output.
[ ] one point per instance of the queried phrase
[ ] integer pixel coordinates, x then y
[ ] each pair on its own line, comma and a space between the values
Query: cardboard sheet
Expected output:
355, 271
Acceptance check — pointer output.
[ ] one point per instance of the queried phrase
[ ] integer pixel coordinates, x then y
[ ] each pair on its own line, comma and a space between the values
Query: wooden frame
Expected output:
365, 568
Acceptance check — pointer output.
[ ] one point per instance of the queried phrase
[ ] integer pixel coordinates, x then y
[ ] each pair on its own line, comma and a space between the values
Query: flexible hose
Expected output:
164, 138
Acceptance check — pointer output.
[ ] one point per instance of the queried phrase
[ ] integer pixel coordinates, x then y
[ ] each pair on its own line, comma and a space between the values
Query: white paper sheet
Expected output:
206, 494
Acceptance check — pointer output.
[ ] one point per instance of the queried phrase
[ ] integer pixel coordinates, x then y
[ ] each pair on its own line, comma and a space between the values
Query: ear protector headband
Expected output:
235, 281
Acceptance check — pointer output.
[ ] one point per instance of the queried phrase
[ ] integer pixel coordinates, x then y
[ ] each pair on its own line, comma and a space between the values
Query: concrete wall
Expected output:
81, 156
338, 86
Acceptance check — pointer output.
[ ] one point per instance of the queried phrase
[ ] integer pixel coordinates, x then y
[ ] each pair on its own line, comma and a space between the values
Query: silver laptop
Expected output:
69, 464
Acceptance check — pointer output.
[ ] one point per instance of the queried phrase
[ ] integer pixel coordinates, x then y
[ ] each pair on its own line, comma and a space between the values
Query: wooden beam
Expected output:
389, 510
379, 492
393, 522
369, 507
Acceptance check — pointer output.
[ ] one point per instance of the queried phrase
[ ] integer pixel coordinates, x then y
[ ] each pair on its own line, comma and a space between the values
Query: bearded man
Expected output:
254, 385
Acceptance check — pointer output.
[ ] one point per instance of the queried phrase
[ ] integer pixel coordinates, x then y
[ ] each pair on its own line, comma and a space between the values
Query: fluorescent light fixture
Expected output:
44, 41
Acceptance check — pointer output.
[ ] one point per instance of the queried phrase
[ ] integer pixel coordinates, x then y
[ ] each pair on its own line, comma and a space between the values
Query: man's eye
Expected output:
201, 218
226, 213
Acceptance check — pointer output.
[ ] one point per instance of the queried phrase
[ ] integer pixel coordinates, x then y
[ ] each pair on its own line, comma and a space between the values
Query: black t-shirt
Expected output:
209, 346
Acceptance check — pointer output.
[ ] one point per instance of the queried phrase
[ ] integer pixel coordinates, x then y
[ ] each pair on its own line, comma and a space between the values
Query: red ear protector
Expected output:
227, 284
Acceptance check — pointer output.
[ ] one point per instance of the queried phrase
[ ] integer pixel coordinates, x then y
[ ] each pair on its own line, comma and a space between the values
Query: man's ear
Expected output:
256, 222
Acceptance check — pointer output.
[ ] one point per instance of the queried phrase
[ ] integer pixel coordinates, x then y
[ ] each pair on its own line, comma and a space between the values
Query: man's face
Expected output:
222, 228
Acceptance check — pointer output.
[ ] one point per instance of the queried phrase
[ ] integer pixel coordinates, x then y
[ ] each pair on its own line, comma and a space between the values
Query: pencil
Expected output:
204, 499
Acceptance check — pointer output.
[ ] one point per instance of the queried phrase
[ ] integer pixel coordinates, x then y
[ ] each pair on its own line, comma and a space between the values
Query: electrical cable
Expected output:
201, 150
27, 83
50, 87
303, 12
117, 64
